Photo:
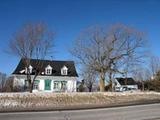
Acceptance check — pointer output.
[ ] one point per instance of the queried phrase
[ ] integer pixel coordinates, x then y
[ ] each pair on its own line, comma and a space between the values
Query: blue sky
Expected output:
69, 17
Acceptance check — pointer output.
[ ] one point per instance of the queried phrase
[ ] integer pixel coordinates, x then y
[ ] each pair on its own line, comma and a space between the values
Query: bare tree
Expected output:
107, 50
9, 84
154, 65
141, 74
89, 76
149, 71
32, 41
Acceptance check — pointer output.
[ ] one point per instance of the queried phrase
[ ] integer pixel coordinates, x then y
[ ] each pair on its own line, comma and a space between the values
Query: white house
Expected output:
56, 76
125, 84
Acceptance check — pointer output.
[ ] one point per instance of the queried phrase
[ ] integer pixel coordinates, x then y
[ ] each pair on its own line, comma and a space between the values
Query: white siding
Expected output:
71, 86
41, 84
18, 81
71, 82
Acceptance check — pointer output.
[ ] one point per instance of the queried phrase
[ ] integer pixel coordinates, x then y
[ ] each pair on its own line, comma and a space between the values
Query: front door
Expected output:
47, 85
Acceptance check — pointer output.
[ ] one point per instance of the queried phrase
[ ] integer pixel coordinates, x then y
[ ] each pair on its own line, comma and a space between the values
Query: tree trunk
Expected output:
110, 81
30, 83
31, 87
90, 88
102, 82
29, 79
142, 85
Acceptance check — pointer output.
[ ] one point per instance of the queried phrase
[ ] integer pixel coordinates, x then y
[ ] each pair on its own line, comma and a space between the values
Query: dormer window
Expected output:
48, 70
64, 70
29, 68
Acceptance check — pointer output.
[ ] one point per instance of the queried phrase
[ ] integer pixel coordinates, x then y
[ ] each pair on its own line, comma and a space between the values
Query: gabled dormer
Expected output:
48, 70
30, 69
64, 70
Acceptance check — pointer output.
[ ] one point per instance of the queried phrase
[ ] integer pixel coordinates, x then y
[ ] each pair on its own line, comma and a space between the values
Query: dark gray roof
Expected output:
126, 81
56, 67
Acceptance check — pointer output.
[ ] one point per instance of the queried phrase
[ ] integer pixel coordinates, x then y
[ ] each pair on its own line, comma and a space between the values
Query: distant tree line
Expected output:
148, 76
6, 83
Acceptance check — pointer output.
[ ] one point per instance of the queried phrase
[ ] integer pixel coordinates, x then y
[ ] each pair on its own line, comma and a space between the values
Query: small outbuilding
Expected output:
125, 84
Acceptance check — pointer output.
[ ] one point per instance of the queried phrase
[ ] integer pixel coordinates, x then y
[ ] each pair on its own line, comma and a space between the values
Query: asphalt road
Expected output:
139, 112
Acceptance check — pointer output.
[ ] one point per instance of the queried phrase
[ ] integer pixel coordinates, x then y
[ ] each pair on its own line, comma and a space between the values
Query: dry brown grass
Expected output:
53, 101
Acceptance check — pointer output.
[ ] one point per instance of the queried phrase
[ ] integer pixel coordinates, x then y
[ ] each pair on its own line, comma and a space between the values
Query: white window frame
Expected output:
36, 86
48, 70
55, 85
64, 70
63, 85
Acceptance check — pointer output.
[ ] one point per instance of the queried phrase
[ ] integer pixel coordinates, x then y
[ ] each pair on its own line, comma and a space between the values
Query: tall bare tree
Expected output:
141, 74
108, 50
32, 41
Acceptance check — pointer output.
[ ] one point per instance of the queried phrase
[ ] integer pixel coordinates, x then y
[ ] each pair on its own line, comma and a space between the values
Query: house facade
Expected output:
55, 76
125, 84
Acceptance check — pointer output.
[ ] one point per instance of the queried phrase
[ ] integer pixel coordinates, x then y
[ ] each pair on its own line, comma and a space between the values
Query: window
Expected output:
48, 70
36, 85
56, 85
29, 68
26, 85
60, 86
47, 84
63, 85
64, 70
